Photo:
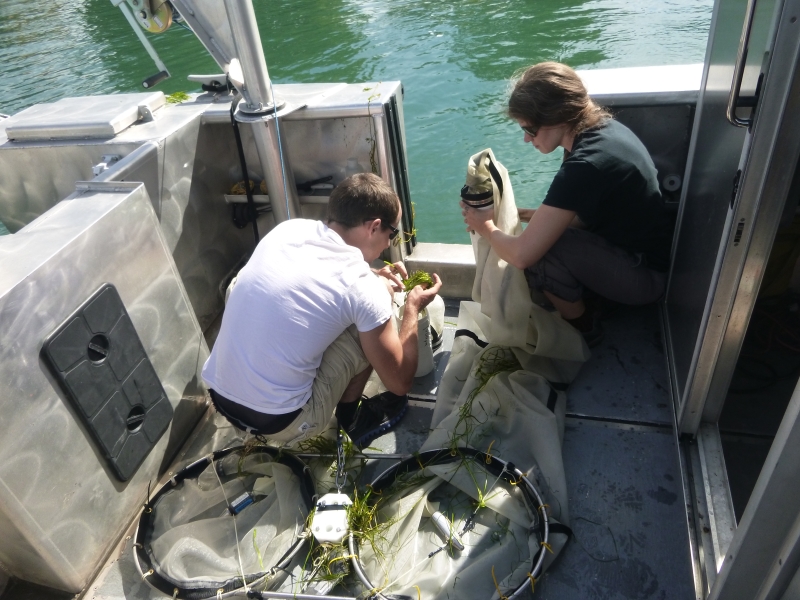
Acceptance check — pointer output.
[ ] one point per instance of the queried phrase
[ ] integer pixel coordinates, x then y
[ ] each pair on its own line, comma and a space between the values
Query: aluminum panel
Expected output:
772, 159
144, 165
207, 246
34, 177
714, 154
61, 509
81, 117
764, 555
323, 100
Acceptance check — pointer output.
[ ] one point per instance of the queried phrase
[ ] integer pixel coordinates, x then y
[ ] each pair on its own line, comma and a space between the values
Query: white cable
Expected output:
280, 147
235, 529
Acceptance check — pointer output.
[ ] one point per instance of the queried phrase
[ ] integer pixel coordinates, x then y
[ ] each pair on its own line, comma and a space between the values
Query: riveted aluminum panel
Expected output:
81, 117
61, 508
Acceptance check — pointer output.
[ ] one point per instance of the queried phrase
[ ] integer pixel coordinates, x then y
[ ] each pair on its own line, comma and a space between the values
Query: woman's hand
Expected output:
479, 220
525, 214
394, 273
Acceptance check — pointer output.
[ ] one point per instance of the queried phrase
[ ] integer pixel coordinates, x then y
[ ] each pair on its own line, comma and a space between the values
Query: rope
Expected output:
489, 453
500, 594
343, 557
533, 582
341, 477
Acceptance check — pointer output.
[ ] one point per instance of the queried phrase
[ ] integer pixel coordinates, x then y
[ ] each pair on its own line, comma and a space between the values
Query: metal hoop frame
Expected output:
500, 468
232, 586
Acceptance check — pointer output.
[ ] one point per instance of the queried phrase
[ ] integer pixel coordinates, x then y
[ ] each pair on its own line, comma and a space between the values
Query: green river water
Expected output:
454, 58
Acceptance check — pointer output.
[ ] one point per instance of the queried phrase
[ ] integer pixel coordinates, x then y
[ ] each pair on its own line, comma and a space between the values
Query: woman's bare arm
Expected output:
545, 227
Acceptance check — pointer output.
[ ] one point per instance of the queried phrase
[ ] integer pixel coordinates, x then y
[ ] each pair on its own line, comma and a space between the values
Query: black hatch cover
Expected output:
101, 363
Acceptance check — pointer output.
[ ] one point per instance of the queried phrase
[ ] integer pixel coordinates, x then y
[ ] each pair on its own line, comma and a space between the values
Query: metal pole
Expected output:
261, 110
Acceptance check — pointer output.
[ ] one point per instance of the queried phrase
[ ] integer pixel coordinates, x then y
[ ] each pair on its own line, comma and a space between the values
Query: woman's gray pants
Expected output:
581, 259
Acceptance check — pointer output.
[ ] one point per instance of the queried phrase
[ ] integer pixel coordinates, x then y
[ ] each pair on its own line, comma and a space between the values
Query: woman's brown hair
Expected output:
551, 93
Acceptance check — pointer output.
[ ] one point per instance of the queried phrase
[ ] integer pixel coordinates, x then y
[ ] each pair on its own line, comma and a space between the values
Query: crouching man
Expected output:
308, 321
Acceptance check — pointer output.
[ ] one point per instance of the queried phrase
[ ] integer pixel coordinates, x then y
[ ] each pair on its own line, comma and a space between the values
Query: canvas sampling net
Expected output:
235, 517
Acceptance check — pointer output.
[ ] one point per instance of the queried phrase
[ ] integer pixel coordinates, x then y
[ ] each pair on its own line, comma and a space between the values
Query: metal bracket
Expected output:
145, 114
106, 161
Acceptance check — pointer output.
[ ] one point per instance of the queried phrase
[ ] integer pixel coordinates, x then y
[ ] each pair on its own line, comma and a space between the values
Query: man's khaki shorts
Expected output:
341, 362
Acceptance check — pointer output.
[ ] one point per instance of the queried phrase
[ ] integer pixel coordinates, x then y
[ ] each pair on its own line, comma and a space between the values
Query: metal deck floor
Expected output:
622, 465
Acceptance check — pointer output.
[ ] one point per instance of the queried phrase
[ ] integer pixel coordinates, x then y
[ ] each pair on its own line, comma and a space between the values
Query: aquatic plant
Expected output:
417, 278
178, 97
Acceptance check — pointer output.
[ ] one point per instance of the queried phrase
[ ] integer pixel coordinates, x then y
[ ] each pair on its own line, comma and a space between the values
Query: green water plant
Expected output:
492, 362
178, 97
417, 278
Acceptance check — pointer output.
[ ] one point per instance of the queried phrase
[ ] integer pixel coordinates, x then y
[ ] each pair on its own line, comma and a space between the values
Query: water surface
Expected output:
454, 58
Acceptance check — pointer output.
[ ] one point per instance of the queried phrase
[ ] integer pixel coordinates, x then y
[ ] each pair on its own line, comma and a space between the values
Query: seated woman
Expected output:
602, 225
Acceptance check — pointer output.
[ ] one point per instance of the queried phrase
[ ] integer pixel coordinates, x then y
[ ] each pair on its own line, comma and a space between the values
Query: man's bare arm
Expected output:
393, 355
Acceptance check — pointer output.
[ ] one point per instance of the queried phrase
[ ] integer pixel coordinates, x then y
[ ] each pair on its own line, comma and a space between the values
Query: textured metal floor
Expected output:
622, 465
622, 468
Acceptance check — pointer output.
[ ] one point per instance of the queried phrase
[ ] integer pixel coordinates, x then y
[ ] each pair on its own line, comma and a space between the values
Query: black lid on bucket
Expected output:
481, 193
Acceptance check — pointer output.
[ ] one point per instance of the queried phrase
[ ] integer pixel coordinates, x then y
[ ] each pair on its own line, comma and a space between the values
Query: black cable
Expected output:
250, 202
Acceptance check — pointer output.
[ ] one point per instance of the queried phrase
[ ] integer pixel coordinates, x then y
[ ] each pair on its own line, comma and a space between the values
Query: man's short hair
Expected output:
362, 197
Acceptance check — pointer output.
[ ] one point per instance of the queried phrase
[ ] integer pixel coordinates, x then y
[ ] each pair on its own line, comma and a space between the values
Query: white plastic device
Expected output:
330, 518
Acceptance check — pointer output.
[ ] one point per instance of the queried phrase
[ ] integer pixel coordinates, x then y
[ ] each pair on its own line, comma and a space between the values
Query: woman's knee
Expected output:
552, 276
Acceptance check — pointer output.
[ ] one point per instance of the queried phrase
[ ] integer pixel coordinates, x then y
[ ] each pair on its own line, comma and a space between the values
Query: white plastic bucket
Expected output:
424, 344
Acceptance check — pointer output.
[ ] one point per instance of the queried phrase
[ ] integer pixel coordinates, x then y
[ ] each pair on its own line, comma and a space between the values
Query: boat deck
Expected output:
622, 465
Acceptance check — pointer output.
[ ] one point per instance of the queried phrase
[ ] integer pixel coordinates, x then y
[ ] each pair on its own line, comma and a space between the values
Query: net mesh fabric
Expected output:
194, 542
498, 549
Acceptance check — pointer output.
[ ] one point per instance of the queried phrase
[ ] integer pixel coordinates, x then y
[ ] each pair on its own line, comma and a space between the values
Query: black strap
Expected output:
479, 200
552, 399
560, 528
466, 195
496, 176
472, 335
482, 199
240, 149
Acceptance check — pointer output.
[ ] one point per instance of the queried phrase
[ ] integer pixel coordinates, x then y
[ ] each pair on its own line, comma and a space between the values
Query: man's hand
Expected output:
479, 220
394, 273
525, 214
420, 297
394, 354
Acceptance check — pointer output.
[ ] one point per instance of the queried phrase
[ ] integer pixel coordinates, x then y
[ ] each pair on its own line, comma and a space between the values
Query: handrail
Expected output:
738, 69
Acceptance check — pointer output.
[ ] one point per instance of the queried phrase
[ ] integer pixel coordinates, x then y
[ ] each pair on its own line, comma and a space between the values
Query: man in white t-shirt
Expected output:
308, 320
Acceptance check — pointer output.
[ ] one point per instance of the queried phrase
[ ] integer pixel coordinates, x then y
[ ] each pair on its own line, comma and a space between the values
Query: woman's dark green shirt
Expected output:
610, 181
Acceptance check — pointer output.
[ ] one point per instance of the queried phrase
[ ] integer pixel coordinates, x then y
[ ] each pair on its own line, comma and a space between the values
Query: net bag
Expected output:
452, 523
230, 519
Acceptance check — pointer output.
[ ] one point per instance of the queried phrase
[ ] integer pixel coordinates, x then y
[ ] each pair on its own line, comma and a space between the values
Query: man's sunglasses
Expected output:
394, 230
